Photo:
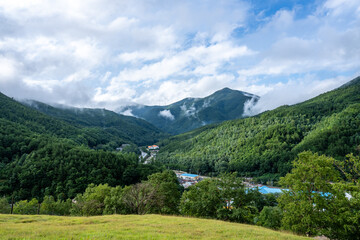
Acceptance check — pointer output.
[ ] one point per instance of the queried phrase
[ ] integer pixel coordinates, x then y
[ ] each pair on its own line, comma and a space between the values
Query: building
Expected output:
266, 190
153, 147
191, 177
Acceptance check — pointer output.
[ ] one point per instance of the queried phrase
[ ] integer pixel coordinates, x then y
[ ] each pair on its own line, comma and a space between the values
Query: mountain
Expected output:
191, 113
44, 155
130, 129
264, 145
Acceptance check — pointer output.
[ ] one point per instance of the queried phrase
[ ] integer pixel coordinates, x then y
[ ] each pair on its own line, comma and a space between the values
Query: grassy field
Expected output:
129, 227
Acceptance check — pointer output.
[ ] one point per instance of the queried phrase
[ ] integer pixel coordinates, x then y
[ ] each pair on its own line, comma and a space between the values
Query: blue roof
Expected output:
189, 175
266, 190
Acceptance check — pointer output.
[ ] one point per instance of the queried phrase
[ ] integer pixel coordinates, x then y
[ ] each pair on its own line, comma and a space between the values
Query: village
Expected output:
188, 179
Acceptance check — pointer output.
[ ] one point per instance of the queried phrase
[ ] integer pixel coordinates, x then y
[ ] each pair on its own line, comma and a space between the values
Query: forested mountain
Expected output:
191, 113
40, 155
130, 129
265, 145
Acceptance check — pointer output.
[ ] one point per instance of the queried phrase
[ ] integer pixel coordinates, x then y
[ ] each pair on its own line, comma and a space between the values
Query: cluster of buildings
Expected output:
153, 148
186, 179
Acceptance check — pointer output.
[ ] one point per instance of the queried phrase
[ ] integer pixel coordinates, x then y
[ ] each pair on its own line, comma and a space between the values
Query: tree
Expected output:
91, 202
114, 203
311, 194
26, 207
201, 200
51, 207
237, 204
345, 224
140, 198
167, 192
4, 206
270, 217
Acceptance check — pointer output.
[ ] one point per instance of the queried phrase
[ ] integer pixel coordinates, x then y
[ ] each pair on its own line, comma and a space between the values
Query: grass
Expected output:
129, 227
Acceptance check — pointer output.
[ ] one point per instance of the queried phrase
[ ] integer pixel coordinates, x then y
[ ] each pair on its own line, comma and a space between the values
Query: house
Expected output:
153, 147
191, 177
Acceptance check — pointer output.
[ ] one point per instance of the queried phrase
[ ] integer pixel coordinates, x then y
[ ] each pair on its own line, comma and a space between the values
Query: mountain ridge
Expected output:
264, 145
190, 113
131, 129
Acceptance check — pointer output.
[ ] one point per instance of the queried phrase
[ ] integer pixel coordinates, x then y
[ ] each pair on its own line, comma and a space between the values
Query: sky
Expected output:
110, 53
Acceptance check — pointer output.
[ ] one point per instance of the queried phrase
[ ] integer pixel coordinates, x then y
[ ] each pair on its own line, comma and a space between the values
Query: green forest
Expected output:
63, 161
43, 155
321, 197
264, 146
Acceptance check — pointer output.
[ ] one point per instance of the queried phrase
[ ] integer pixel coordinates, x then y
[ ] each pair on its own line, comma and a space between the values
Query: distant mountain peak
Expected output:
190, 113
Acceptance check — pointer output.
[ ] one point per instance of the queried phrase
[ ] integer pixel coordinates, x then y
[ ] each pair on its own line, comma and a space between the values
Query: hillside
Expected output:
130, 129
191, 113
264, 145
41, 155
130, 227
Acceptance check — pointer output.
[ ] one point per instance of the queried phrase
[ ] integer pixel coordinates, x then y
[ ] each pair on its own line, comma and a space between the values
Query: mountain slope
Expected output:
191, 113
264, 145
42, 155
130, 129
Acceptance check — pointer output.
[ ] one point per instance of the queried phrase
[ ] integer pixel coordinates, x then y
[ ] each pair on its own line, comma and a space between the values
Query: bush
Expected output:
25, 207
270, 217
50, 207
5, 207
92, 201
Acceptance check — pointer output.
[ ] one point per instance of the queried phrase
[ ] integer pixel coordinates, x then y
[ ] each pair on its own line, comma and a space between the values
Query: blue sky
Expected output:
107, 53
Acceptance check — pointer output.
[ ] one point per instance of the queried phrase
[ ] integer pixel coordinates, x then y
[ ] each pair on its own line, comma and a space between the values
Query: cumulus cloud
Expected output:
111, 53
291, 92
166, 114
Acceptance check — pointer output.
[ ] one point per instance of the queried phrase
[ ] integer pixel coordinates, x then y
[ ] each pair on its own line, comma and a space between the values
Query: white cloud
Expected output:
292, 92
166, 114
127, 112
191, 111
108, 53
7, 68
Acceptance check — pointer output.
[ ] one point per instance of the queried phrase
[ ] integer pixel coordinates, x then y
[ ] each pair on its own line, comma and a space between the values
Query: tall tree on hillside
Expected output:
316, 202
168, 192
139, 198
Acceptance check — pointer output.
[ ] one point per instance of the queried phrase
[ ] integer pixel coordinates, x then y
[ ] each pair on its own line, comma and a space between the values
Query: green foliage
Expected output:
51, 207
270, 217
114, 203
92, 201
168, 192
310, 194
223, 198
201, 200
57, 167
5, 207
27, 207
260, 200
109, 128
264, 146
43, 155
140, 198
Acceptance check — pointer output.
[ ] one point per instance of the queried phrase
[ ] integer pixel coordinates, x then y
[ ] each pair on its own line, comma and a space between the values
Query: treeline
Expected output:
111, 124
42, 155
95, 128
317, 200
265, 145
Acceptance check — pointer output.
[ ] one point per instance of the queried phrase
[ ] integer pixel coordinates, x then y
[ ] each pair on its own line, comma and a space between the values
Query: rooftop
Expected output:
189, 175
